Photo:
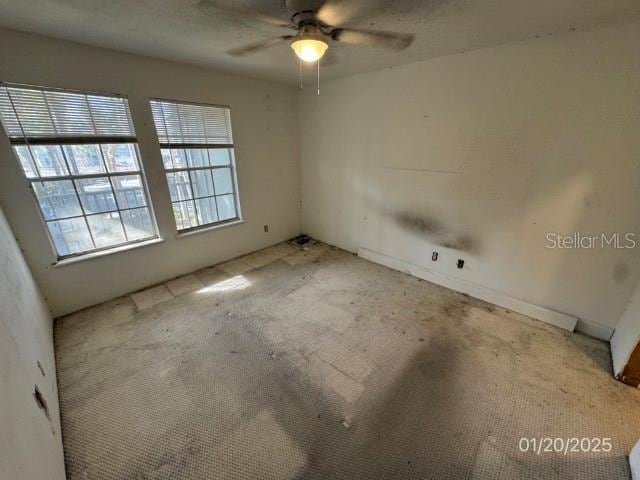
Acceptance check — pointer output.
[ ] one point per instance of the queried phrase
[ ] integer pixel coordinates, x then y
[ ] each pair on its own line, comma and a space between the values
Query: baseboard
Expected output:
595, 330
561, 320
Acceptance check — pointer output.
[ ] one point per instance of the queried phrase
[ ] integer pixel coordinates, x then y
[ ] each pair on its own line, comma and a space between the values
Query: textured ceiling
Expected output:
201, 31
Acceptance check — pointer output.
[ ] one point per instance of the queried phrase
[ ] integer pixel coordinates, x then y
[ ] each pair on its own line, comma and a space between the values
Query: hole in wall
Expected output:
40, 400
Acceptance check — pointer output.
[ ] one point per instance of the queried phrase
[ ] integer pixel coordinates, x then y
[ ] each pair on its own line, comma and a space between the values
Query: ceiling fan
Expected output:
315, 24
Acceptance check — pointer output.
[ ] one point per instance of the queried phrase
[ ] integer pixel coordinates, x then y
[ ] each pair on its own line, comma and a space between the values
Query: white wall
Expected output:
480, 155
30, 440
627, 334
634, 462
265, 126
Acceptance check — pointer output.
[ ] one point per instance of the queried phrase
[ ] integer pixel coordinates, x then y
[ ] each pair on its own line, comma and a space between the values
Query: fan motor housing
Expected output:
303, 10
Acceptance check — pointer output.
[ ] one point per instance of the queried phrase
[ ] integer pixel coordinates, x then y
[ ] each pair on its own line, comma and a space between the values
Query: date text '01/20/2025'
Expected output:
565, 445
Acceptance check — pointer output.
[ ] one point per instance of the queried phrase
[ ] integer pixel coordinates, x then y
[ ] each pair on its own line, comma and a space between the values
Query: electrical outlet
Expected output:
266, 228
434, 256
460, 263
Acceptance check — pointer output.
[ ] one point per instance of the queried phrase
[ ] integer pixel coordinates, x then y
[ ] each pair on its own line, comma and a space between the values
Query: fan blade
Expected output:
375, 38
337, 12
255, 47
241, 13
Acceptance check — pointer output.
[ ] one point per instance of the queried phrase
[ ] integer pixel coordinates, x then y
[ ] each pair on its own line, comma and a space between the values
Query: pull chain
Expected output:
300, 72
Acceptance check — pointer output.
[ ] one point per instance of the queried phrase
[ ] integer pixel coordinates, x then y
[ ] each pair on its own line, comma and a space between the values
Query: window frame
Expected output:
99, 141
232, 167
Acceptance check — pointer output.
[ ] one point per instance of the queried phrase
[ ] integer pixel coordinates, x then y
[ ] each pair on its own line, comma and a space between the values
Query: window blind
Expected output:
191, 124
35, 115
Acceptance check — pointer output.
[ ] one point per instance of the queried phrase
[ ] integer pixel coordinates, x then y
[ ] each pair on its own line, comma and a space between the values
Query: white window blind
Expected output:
80, 155
188, 123
199, 160
35, 113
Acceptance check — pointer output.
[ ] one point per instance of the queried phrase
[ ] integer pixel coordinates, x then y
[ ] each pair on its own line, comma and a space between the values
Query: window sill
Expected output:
208, 229
102, 253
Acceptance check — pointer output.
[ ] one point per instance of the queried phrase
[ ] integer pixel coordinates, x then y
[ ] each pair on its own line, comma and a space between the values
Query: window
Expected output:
80, 156
197, 151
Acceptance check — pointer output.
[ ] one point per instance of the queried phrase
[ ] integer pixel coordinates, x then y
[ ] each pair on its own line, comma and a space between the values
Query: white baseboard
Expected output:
562, 320
595, 330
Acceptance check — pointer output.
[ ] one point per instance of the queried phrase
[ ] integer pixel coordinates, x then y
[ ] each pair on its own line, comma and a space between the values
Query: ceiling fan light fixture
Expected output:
309, 49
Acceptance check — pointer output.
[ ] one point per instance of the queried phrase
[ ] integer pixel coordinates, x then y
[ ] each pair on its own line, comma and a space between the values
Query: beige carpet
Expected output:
310, 363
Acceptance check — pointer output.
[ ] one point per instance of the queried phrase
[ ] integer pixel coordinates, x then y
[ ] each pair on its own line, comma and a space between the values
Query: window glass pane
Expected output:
207, 212
185, 214
84, 159
222, 179
120, 157
179, 186
57, 199
129, 191
26, 161
197, 157
70, 236
166, 158
220, 156
106, 229
49, 160
137, 223
96, 195
226, 207
202, 184
179, 158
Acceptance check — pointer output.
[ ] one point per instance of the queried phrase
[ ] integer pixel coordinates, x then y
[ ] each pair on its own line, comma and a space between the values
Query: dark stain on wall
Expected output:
620, 272
433, 228
463, 242
418, 224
